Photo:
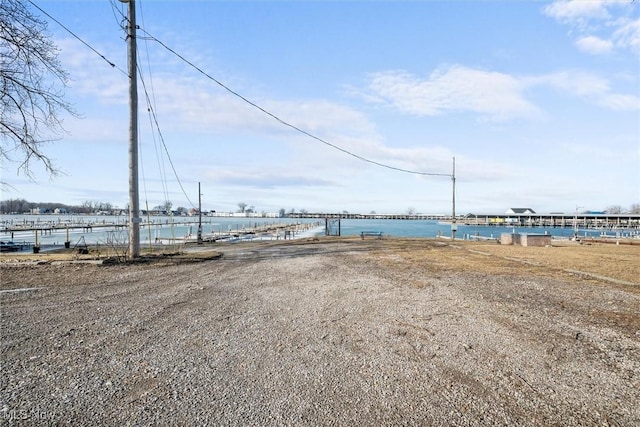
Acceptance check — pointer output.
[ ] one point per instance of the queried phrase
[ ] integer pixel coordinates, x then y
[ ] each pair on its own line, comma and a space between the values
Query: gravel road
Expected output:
316, 333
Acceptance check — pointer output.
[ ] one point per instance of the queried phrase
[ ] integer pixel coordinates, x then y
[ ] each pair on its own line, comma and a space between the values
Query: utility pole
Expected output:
134, 202
575, 223
199, 215
454, 225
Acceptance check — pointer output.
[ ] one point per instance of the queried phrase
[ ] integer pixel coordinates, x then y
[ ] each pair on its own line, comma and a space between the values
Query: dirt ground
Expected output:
325, 332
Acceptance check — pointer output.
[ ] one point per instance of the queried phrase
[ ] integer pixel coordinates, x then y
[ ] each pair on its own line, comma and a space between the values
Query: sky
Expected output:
538, 102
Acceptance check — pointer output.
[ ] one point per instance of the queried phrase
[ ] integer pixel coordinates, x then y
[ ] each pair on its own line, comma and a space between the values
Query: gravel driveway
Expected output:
314, 334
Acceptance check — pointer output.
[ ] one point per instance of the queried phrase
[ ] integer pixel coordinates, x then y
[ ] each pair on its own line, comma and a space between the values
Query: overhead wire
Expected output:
155, 119
151, 108
118, 13
113, 65
282, 121
123, 22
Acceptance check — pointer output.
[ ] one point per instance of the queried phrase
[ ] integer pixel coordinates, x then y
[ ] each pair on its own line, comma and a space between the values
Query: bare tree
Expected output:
89, 206
241, 207
14, 206
104, 206
614, 209
32, 81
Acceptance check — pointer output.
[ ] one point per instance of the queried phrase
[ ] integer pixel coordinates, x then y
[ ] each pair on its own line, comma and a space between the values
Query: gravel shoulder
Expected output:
327, 332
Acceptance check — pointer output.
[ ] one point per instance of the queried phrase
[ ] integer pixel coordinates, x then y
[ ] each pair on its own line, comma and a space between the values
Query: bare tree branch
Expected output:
32, 83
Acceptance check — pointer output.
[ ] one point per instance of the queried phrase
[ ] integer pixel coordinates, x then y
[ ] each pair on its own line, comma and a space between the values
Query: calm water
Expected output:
425, 228
166, 228
161, 227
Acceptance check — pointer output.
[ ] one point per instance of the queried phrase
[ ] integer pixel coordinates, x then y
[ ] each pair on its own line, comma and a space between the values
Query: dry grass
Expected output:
110, 256
620, 263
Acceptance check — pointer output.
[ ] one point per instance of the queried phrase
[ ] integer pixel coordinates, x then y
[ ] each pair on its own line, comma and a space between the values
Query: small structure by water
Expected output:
525, 239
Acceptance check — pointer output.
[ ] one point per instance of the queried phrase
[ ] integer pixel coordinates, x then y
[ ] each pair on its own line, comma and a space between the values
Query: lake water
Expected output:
427, 228
180, 227
156, 227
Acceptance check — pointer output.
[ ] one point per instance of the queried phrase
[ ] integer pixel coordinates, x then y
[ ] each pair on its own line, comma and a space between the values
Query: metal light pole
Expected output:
134, 202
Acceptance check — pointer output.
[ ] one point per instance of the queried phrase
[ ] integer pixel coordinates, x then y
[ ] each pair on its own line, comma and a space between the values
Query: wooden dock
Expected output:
268, 232
50, 227
580, 220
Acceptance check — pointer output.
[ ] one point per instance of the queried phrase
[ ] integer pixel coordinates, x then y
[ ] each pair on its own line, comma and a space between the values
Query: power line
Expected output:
282, 121
155, 119
243, 98
151, 107
113, 65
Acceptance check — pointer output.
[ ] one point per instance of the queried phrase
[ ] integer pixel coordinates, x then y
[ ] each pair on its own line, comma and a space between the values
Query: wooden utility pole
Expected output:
454, 225
134, 199
199, 215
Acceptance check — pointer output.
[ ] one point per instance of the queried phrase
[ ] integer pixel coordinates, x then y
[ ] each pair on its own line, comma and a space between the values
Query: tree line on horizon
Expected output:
22, 206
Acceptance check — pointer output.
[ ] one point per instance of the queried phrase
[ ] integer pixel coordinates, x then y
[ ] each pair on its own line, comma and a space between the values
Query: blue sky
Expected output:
539, 102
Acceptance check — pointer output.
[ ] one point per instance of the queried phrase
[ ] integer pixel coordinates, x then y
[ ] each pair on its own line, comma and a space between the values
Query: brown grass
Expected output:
620, 263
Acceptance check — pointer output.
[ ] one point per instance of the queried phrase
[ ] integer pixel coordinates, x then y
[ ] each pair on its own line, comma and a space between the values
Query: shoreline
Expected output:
298, 232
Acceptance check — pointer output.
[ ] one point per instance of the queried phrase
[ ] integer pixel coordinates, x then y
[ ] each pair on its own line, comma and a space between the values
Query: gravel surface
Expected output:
316, 333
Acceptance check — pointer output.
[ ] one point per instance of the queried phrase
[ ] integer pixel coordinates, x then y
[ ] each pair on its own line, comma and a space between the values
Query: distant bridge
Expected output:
369, 216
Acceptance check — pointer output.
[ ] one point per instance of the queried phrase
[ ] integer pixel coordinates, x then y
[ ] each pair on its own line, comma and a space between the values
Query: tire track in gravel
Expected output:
313, 334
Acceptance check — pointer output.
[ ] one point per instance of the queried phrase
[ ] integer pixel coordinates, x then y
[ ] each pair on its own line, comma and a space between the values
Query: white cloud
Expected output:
577, 12
594, 45
619, 102
495, 95
589, 87
613, 20
627, 35
575, 82
266, 179
92, 76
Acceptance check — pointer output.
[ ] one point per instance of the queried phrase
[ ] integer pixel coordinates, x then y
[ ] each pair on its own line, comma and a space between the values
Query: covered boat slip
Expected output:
583, 221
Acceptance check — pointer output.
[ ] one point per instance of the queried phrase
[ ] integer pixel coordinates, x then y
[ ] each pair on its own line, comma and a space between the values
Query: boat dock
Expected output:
258, 232
50, 227
581, 221
553, 220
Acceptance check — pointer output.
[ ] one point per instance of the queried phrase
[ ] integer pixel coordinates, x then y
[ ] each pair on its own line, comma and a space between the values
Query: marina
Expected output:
48, 232
553, 220
20, 233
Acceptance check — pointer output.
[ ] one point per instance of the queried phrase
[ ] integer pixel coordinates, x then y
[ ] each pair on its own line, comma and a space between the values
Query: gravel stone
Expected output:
316, 333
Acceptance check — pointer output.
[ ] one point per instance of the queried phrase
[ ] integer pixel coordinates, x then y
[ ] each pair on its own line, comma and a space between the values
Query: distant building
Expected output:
520, 211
